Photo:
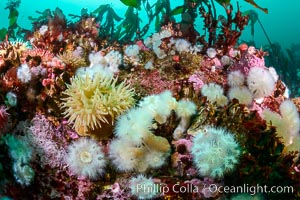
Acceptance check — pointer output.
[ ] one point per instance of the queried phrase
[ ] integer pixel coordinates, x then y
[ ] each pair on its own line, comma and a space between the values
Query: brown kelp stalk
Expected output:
231, 27
210, 25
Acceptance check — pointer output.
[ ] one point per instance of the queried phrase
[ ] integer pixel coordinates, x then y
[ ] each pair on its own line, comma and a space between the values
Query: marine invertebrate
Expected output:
94, 69
128, 128
182, 45
160, 106
149, 65
86, 158
142, 187
3, 117
43, 29
36, 56
226, 60
91, 101
214, 94
151, 153
11, 99
155, 42
155, 39
156, 151
242, 94
23, 173
248, 60
71, 59
24, 73
110, 61
12, 50
184, 110
287, 123
260, 82
133, 51
97, 58
215, 152
144, 150
143, 134
21, 154
124, 157
19, 149
235, 78
211, 52
195, 79
114, 60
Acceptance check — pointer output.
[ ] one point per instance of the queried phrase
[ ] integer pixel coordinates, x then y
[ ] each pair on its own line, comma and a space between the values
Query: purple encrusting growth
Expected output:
48, 141
195, 79
248, 60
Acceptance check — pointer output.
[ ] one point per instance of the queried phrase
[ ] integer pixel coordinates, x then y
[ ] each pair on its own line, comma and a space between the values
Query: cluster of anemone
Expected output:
136, 148
256, 88
155, 41
110, 61
249, 78
91, 101
178, 45
237, 89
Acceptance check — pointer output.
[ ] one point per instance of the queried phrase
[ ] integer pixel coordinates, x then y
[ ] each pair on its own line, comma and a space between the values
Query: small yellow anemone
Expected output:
70, 59
91, 101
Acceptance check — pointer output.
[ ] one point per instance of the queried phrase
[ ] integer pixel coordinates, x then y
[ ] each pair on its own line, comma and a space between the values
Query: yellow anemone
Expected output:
91, 101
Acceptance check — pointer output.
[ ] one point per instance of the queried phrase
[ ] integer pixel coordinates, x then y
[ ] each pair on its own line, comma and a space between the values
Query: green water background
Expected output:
282, 23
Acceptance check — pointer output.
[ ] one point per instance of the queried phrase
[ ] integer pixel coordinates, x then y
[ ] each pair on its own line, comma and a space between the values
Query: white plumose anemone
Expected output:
242, 94
24, 73
184, 110
85, 158
211, 52
260, 82
135, 125
215, 152
235, 79
214, 94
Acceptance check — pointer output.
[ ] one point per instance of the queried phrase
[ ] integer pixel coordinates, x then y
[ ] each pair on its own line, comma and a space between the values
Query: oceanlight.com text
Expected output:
250, 189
